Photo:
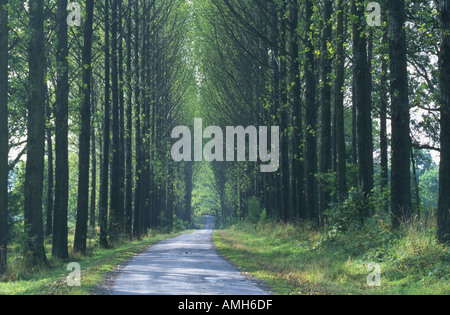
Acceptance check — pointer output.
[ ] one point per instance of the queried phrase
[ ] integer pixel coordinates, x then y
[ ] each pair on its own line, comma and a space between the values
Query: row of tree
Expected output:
110, 90
333, 83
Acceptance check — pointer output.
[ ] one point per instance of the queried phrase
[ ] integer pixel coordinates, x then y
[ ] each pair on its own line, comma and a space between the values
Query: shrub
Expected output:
342, 217
254, 210
179, 225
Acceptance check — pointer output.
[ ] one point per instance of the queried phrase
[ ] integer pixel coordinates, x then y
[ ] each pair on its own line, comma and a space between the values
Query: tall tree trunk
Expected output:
60, 229
170, 197
286, 200
93, 206
339, 103
146, 77
129, 132
444, 190
310, 118
325, 149
121, 120
36, 139
115, 208
298, 165
417, 202
401, 141
103, 212
3, 135
383, 128
84, 154
276, 65
50, 173
354, 130
362, 101
138, 136
384, 102
188, 174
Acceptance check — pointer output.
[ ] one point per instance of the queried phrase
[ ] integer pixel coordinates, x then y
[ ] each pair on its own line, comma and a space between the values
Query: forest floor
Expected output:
298, 260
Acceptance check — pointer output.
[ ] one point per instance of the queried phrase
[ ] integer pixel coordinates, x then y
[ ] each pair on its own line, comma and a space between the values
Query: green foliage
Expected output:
205, 198
179, 225
356, 209
347, 215
429, 188
254, 210
16, 195
411, 254
328, 182
21, 249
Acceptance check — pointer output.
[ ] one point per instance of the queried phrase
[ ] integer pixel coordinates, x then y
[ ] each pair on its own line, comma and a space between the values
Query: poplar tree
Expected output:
401, 141
34, 176
60, 229
83, 180
4, 31
444, 190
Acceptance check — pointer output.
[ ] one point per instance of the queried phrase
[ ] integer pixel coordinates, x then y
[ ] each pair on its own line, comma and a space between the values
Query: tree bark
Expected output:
104, 185
93, 206
286, 201
325, 149
129, 132
310, 119
115, 215
384, 103
3, 135
401, 141
298, 164
444, 190
275, 108
383, 129
138, 147
188, 169
50, 173
60, 229
121, 120
36, 140
339, 104
84, 154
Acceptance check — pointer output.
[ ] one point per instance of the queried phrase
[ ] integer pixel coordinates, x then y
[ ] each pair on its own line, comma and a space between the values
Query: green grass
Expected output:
296, 259
94, 267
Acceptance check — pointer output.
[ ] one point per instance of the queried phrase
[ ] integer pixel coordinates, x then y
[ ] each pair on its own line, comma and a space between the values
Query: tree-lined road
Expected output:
185, 265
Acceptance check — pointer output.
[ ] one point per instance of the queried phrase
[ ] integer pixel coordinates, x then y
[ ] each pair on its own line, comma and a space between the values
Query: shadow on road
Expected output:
185, 265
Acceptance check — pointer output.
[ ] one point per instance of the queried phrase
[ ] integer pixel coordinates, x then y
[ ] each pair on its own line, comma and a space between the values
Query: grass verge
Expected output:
298, 260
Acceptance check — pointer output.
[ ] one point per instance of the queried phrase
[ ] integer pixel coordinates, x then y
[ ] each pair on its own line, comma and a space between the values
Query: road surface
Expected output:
185, 265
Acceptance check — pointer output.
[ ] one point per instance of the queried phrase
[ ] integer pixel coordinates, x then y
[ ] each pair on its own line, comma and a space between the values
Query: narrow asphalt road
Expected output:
185, 265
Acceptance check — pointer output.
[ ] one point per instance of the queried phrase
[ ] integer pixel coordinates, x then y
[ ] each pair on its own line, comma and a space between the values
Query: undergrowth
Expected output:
297, 258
